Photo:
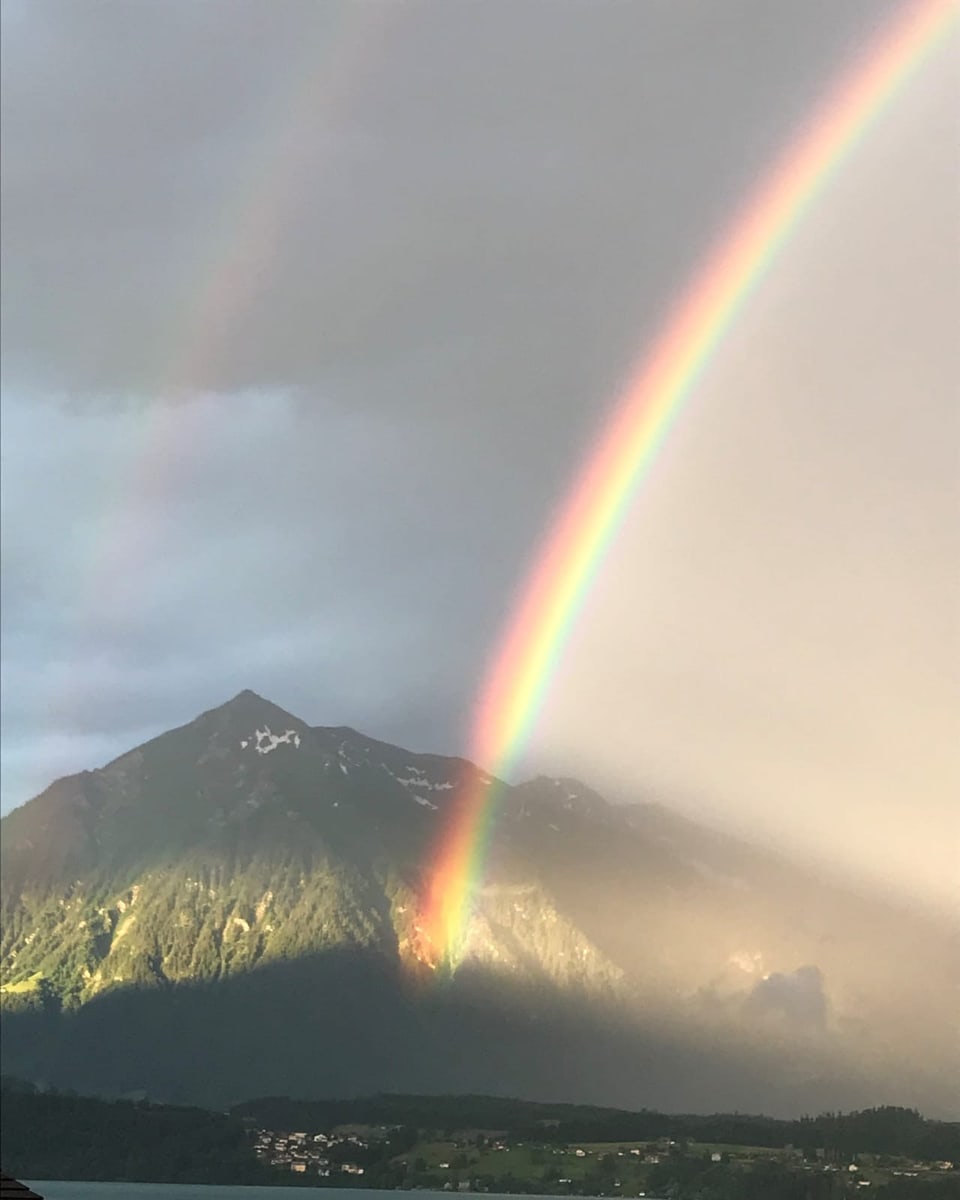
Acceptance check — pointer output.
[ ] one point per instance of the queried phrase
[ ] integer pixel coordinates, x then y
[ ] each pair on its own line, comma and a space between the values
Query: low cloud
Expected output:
797, 998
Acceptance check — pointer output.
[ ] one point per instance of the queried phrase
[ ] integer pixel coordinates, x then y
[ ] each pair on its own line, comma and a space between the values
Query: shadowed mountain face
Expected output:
233, 909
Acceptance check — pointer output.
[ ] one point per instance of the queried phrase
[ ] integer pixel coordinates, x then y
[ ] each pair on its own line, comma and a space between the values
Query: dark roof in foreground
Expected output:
12, 1189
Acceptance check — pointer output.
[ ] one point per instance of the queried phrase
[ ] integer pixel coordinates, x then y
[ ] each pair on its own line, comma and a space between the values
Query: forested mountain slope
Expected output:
235, 907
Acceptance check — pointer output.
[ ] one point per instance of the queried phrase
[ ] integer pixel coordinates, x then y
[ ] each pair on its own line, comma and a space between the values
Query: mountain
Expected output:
233, 909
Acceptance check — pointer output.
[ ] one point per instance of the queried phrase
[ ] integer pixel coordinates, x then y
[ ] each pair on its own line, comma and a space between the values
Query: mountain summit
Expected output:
234, 908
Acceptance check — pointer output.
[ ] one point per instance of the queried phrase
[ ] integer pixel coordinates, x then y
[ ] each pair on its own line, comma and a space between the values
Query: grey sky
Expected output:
310, 312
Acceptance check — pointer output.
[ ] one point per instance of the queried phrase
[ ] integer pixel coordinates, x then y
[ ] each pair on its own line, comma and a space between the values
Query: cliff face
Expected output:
234, 909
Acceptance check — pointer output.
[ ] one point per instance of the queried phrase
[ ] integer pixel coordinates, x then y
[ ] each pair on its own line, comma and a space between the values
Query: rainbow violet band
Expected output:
590, 517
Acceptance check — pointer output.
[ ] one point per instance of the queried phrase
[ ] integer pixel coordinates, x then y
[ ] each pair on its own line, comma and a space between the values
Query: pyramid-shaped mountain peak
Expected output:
247, 699
249, 706
246, 719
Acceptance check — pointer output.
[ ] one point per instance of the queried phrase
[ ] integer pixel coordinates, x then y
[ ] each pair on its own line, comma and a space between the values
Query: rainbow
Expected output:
580, 536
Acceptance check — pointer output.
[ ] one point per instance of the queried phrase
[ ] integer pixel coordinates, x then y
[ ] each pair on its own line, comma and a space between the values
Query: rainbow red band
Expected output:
589, 520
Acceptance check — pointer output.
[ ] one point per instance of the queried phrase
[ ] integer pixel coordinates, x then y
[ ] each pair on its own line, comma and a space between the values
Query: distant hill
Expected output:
50, 1136
889, 1130
55, 1136
232, 909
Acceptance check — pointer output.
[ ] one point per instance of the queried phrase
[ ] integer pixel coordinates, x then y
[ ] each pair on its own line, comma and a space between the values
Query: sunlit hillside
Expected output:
235, 908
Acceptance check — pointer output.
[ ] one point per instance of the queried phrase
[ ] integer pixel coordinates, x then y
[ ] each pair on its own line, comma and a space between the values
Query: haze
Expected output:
311, 312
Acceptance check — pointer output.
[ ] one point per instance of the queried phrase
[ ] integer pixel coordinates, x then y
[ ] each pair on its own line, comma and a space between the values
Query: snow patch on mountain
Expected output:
347, 759
416, 781
264, 741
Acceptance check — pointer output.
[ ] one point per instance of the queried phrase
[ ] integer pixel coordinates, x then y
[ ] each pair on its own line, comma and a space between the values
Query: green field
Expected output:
611, 1164
609, 1167
24, 985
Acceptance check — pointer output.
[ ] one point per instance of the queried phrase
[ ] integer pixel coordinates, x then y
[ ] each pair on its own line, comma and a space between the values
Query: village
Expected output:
488, 1161
310, 1153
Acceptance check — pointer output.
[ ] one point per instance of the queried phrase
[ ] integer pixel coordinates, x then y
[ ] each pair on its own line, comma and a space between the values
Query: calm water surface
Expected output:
56, 1189
59, 1189
64, 1190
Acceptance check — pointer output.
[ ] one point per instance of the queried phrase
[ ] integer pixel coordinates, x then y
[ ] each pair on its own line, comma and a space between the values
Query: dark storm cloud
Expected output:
530, 178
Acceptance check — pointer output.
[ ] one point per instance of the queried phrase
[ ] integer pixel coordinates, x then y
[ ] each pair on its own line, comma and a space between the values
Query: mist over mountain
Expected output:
234, 909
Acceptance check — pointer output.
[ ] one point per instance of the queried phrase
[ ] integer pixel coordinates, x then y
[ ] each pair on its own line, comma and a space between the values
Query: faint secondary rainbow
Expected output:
554, 592
185, 404
237, 265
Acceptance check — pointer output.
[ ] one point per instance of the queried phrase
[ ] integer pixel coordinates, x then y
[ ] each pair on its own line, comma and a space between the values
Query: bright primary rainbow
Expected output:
579, 538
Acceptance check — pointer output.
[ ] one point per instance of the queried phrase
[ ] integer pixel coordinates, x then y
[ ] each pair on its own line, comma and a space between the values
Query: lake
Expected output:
56, 1189
59, 1189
